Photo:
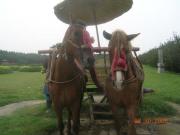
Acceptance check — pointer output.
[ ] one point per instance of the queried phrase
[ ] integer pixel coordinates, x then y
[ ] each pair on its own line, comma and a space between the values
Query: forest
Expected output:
21, 58
171, 55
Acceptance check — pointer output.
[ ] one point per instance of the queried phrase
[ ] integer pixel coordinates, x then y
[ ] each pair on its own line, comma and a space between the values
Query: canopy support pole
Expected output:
105, 64
70, 13
97, 33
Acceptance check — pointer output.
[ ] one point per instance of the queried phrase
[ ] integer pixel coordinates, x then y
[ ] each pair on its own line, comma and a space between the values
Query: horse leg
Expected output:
114, 109
76, 118
59, 113
131, 115
69, 122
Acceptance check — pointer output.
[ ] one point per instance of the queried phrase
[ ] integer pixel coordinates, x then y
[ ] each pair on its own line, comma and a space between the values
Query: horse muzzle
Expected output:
119, 78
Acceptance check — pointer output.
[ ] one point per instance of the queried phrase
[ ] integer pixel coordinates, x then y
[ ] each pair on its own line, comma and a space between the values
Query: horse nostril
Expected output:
91, 60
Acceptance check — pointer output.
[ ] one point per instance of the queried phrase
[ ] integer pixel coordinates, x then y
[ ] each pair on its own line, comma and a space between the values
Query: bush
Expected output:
15, 68
22, 58
5, 70
30, 68
150, 57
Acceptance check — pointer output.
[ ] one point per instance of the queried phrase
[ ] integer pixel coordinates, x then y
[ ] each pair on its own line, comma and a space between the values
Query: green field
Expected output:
20, 86
166, 85
167, 89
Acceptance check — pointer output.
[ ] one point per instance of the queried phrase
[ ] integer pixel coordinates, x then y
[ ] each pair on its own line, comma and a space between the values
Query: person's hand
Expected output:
92, 40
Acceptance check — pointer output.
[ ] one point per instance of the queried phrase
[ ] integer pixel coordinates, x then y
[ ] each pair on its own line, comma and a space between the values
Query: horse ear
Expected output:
107, 35
132, 36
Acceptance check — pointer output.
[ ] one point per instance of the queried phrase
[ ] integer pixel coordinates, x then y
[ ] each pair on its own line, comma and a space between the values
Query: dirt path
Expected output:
175, 106
8, 109
173, 127
103, 128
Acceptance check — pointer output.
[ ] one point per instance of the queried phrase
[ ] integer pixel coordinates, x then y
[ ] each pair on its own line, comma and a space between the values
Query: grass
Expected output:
20, 86
28, 121
166, 88
5, 70
166, 85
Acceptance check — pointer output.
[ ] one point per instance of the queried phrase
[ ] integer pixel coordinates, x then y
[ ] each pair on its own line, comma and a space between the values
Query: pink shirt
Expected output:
87, 39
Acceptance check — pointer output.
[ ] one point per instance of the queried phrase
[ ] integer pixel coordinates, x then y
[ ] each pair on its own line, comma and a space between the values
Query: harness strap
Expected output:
73, 44
130, 80
64, 82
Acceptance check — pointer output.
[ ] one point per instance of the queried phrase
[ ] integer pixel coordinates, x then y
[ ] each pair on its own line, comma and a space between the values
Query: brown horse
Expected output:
66, 79
124, 85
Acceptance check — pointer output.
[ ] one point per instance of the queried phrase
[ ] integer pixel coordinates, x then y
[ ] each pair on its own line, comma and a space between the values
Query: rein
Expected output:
130, 80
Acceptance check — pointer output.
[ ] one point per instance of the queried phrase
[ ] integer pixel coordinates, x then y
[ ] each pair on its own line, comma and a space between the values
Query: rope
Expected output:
64, 82
138, 59
130, 80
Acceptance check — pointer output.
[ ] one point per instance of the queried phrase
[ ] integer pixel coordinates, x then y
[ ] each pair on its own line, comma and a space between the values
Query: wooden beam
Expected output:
95, 49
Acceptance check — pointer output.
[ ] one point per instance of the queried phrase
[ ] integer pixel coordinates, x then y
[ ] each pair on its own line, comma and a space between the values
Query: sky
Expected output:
30, 25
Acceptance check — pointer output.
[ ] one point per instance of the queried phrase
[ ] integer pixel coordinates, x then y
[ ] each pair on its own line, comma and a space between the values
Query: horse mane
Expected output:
119, 39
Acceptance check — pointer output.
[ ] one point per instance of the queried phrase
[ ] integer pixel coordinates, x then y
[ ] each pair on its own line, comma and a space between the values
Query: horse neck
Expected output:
65, 70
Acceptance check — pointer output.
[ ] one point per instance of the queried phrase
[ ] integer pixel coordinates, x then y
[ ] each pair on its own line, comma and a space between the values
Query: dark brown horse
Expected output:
66, 79
124, 85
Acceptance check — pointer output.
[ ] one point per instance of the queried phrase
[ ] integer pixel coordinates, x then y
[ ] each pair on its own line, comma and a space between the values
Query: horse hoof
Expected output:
124, 133
73, 133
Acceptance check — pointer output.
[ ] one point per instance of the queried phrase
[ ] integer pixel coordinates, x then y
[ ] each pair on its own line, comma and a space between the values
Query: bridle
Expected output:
78, 47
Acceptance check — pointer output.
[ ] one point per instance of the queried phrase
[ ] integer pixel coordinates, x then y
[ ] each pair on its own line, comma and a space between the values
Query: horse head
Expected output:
119, 48
76, 49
